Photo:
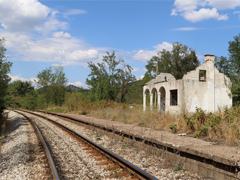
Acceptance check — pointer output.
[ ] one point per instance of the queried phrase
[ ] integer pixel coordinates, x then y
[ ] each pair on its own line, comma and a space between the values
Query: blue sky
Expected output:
43, 33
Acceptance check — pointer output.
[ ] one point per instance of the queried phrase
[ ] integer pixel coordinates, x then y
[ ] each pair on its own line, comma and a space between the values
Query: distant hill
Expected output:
68, 88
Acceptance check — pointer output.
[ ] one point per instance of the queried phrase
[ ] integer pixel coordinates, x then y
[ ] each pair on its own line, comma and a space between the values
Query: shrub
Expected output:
204, 129
190, 122
197, 134
213, 120
200, 115
174, 128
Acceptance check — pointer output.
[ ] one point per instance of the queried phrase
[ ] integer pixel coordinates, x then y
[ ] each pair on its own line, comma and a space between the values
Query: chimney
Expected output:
209, 57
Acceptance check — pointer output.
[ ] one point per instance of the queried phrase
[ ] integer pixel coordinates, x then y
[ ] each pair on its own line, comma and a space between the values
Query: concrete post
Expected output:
144, 101
151, 101
159, 103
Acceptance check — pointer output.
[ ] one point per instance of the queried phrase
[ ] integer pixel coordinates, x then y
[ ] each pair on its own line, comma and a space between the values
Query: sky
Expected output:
44, 33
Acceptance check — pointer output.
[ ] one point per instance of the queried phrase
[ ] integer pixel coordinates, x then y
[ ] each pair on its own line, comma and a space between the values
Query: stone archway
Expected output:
153, 98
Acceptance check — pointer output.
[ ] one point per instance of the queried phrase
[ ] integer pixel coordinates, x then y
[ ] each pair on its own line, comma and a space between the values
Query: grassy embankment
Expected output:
222, 125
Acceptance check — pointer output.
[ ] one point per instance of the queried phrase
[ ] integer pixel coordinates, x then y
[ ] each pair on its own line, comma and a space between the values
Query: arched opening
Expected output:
154, 97
147, 94
162, 98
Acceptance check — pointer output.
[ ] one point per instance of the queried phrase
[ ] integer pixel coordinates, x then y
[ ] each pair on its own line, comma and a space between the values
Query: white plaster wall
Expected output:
195, 95
199, 93
223, 96
192, 93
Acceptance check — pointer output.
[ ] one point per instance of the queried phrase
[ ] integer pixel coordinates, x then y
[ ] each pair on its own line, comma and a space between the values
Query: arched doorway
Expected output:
162, 91
153, 98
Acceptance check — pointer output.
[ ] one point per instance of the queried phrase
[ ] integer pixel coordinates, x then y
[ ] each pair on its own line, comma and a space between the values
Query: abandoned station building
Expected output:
205, 88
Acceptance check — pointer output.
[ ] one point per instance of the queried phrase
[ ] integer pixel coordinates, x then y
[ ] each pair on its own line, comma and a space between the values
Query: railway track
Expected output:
115, 164
51, 163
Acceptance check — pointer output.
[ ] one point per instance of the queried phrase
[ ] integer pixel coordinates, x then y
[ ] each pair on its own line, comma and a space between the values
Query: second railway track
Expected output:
83, 156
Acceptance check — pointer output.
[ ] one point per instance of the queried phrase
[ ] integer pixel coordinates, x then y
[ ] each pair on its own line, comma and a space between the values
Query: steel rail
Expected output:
49, 156
136, 171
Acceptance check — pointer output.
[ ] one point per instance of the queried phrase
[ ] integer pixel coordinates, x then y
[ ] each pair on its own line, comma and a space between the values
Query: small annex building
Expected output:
205, 88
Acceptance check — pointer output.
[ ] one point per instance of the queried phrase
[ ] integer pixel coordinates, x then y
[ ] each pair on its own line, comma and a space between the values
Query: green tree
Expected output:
107, 81
233, 66
224, 65
52, 83
177, 62
30, 100
126, 80
16, 90
135, 92
103, 78
4, 70
234, 53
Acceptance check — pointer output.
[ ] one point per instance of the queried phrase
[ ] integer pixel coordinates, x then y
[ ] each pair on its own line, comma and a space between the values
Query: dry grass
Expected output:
223, 124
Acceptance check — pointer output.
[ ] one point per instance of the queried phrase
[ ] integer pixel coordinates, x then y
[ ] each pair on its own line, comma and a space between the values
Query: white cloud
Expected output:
29, 15
52, 24
236, 12
80, 54
224, 4
145, 55
186, 29
174, 13
135, 69
22, 15
203, 14
195, 10
56, 49
18, 77
183, 5
73, 12
61, 34
140, 77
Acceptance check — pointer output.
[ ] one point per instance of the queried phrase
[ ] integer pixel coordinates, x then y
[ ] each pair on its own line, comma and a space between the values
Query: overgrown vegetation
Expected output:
4, 70
113, 88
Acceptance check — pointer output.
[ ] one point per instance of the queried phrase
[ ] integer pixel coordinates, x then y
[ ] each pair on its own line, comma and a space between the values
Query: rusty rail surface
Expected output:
124, 164
49, 156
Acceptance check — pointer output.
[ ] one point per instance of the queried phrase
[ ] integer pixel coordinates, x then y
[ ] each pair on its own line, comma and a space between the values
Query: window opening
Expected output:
202, 75
173, 97
165, 78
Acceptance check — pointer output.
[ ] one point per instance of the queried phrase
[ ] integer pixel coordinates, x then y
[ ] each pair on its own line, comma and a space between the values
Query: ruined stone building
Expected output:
205, 88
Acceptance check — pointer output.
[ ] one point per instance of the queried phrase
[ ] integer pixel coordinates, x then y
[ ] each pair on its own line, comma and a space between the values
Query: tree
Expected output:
52, 84
4, 70
177, 62
30, 100
103, 78
16, 90
126, 80
223, 65
107, 81
234, 52
233, 67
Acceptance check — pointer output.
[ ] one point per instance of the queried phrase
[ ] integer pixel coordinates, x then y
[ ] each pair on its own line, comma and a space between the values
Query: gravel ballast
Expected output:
71, 160
22, 156
152, 164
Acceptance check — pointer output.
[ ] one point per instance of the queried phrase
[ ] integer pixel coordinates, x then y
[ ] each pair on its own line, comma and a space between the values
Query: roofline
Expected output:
208, 55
